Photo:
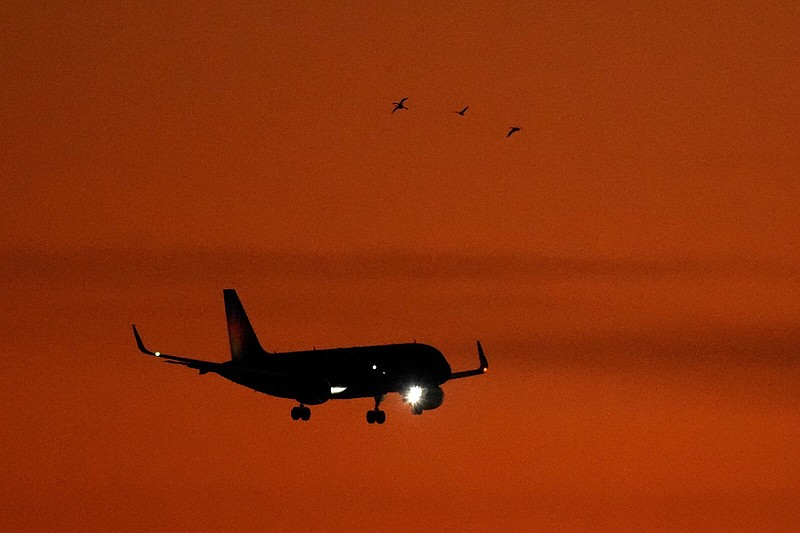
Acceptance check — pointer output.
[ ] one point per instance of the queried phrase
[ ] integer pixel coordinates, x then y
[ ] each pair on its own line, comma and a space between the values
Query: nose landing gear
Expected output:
376, 416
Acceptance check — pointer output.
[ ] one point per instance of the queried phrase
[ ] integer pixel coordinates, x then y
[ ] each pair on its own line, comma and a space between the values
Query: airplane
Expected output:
416, 371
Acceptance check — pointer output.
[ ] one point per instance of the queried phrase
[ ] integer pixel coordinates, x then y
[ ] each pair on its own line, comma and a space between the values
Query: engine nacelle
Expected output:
312, 392
432, 397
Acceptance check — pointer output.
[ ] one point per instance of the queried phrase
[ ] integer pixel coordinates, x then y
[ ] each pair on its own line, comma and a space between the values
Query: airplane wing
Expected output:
484, 366
202, 366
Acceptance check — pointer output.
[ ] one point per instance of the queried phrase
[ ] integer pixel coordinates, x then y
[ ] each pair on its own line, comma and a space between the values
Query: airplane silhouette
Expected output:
414, 370
514, 129
399, 105
462, 111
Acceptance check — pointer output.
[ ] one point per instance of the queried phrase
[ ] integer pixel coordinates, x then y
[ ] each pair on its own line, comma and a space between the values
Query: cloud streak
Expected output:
391, 264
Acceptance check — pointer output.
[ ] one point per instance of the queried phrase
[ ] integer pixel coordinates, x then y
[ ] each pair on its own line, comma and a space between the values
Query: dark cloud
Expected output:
707, 346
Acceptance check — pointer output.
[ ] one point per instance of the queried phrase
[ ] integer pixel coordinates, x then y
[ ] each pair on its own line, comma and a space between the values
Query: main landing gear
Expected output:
376, 416
301, 412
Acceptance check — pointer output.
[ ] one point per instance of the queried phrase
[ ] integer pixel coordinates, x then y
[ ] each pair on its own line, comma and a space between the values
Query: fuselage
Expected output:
340, 373
316, 376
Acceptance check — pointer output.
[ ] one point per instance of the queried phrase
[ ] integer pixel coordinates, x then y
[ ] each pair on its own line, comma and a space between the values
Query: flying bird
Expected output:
399, 105
513, 130
462, 111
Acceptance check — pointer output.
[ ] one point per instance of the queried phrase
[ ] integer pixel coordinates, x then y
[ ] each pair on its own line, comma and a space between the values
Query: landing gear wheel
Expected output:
301, 412
376, 417
416, 410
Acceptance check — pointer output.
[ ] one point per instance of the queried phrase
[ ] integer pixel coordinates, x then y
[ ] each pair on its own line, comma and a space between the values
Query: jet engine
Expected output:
432, 398
424, 399
312, 392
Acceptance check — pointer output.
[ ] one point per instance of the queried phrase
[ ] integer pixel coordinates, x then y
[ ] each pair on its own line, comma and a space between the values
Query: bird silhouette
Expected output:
513, 129
462, 111
399, 105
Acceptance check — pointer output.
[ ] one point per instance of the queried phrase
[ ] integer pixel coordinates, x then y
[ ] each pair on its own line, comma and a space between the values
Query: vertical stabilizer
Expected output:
244, 343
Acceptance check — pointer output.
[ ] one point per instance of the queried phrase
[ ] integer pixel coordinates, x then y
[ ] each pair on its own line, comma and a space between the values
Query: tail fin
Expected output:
244, 343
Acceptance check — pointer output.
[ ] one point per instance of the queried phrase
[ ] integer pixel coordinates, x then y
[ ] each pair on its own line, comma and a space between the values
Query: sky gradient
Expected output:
629, 261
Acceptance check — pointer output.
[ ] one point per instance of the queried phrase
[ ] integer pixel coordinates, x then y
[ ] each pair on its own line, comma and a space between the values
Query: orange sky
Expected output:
629, 260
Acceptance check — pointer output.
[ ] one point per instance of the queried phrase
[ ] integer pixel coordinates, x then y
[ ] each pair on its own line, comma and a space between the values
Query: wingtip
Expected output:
482, 357
140, 343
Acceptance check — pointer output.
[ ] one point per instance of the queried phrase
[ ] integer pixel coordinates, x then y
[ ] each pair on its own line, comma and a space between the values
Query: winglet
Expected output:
482, 358
140, 344
202, 366
484, 366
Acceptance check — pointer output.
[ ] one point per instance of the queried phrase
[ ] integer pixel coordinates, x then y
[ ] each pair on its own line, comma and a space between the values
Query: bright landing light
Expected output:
414, 395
